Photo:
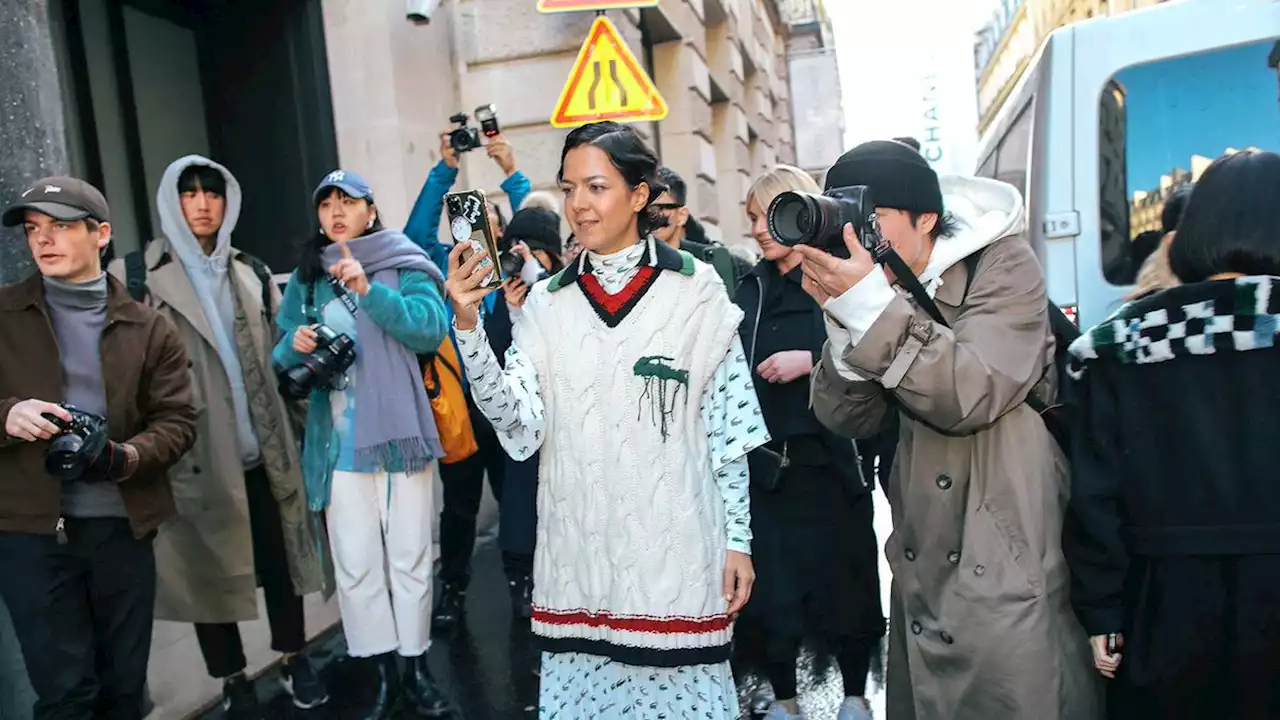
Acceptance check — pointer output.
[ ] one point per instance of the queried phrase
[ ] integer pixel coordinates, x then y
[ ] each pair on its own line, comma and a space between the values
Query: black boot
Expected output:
521, 588
384, 700
420, 691
451, 611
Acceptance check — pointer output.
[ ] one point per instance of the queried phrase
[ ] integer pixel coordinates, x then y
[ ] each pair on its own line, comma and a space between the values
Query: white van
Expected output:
1113, 114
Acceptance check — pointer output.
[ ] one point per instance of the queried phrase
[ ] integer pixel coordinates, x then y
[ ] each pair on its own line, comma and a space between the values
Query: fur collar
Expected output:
1215, 316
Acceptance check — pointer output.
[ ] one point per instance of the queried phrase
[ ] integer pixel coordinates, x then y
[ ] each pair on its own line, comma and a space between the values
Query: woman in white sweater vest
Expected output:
627, 371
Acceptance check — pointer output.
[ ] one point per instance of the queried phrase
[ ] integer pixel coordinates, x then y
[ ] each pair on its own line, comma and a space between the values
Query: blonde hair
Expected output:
1155, 273
780, 179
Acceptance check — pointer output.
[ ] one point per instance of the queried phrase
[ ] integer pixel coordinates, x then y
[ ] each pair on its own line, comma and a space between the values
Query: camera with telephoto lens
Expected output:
800, 218
464, 138
78, 443
334, 353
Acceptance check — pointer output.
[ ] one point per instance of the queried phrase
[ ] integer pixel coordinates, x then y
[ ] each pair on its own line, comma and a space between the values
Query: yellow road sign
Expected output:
554, 6
607, 83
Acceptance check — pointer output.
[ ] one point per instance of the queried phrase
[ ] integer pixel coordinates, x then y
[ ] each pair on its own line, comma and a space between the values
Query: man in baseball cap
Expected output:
69, 334
67, 224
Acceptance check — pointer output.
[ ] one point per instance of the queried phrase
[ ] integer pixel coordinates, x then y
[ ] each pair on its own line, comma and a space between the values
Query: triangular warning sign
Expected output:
607, 83
551, 6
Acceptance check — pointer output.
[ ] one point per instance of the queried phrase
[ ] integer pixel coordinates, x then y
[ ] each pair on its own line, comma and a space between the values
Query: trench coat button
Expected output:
953, 557
980, 570
195, 469
916, 628
944, 482
909, 554
946, 637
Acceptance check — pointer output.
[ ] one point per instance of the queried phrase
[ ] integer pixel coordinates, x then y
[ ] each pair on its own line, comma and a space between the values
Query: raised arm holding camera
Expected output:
937, 312
464, 480
96, 403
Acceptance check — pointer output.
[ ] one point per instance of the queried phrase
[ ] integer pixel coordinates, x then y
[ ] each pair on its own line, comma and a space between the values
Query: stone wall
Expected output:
31, 129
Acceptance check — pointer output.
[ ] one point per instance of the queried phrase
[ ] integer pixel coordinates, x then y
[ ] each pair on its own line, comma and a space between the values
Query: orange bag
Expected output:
442, 378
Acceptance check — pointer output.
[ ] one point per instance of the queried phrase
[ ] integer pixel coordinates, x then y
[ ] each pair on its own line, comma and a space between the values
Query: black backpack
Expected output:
1060, 417
135, 278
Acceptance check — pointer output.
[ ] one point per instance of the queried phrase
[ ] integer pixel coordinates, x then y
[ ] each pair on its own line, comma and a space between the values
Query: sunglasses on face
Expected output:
668, 206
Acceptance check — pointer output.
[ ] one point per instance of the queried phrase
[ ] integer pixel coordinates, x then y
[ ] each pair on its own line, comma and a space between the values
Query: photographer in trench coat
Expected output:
981, 627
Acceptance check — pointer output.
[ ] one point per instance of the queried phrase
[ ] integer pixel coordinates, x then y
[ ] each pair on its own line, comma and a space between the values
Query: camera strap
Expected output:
911, 284
339, 291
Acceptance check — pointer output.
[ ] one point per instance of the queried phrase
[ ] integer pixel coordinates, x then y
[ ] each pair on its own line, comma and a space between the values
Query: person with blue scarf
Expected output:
371, 434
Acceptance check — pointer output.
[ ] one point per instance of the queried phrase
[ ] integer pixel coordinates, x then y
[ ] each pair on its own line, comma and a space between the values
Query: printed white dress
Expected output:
579, 684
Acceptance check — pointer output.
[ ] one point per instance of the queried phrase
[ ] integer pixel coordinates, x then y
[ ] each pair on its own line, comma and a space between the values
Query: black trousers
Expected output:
518, 517
463, 488
220, 643
83, 613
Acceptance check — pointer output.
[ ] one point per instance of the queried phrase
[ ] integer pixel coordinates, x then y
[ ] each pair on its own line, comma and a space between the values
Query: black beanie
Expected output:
539, 228
899, 177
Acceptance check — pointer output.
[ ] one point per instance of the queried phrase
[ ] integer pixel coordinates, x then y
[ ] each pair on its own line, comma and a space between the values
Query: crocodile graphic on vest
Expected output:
659, 376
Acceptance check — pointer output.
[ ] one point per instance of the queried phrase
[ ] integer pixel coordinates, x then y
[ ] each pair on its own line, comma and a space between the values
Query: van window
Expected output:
1015, 152
1164, 122
1008, 160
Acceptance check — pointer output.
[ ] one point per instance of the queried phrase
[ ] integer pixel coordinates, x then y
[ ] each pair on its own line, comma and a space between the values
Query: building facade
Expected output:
1006, 44
816, 99
1147, 206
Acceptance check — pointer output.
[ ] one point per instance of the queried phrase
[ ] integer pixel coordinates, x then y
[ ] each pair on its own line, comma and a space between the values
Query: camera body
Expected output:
77, 445
800, 218
335, 352
465, 138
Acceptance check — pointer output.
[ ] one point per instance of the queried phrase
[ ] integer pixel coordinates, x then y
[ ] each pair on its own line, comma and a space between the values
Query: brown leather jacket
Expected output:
149, 405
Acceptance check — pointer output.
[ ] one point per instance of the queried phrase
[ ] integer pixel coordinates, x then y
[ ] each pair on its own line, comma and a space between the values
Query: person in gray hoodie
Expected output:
242, 517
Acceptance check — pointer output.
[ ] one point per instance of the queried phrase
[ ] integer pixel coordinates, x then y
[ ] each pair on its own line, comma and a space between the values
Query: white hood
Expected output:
173, 224
984, 211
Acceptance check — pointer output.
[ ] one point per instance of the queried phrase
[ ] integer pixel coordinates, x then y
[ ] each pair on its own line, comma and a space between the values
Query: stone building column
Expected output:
31, 124
31, 133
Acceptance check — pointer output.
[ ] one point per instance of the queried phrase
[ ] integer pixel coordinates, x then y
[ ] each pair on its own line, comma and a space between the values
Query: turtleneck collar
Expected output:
616, 269
85, 295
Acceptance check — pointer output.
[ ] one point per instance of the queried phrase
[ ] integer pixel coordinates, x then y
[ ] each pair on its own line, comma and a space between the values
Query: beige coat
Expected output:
980, 623
204, 557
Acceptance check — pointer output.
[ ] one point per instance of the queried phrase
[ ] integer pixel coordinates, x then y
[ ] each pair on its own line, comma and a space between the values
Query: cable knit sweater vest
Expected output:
631, 525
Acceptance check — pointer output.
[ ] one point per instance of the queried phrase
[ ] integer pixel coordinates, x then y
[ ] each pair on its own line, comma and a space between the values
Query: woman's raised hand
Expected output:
464, 284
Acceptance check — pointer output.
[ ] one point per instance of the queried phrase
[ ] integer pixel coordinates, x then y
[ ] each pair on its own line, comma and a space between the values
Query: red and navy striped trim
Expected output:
664, 625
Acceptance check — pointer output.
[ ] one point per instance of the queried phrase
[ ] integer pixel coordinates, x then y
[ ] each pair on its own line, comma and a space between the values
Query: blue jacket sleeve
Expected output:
517, 188
288, 318
414, 315
423, 226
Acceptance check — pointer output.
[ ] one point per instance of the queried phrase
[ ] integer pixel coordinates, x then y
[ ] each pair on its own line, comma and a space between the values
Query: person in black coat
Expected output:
533, 233
814, 547
1173, 528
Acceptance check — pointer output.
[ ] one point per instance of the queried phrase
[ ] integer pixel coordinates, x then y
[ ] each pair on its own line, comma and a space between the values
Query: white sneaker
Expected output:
777, 712
855, 708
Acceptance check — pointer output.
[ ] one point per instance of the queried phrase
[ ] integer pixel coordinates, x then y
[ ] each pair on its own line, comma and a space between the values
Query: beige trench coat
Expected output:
980, 624
204, 557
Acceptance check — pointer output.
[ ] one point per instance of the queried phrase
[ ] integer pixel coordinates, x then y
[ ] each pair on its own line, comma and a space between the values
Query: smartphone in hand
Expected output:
469, 223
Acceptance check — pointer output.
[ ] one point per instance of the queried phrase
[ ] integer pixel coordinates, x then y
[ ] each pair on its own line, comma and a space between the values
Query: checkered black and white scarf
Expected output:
1197, 319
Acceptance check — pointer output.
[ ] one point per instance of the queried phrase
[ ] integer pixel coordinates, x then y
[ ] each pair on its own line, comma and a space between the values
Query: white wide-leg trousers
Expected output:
380, 529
